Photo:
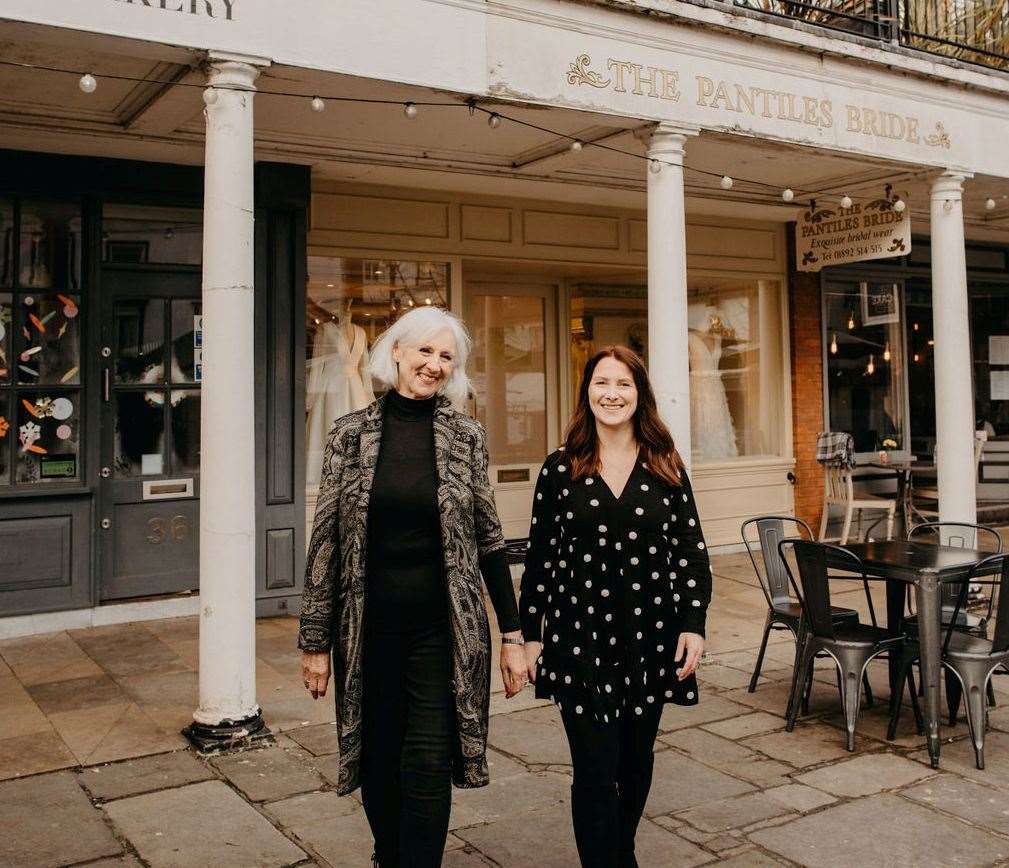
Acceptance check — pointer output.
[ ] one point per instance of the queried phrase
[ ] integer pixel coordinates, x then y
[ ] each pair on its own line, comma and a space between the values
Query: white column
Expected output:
668, 363
227, 441
954, 396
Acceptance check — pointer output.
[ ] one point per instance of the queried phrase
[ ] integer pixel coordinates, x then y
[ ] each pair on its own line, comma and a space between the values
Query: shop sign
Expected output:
871, 230
223, 9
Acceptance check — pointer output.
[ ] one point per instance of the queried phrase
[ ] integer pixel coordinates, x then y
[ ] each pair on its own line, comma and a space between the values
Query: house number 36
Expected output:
161, 529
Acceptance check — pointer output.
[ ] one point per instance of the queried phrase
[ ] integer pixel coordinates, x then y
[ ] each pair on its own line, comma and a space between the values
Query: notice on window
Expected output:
998, 349
866, 230
197, 349
999, 385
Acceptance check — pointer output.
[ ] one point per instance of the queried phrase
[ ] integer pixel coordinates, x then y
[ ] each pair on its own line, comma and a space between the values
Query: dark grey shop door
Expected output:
150, 432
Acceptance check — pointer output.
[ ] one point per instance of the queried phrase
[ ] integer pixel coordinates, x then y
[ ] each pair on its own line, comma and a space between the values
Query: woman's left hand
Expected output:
689, 648
513, 669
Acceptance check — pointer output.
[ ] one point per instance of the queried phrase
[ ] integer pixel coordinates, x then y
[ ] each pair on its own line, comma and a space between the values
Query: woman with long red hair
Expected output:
613, 599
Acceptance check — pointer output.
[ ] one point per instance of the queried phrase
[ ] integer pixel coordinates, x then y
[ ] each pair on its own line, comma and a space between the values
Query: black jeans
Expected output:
408, 719
612, 776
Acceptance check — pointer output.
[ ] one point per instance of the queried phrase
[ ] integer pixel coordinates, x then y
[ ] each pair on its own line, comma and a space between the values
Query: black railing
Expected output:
974, 31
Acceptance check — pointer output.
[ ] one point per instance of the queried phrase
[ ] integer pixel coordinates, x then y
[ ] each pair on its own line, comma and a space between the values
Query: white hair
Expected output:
412, 329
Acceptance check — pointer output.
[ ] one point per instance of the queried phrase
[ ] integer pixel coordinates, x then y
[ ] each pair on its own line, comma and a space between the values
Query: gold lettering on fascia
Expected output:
223, 9
653, 81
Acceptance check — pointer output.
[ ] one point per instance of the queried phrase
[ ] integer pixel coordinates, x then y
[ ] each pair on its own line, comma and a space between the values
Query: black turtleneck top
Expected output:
406, 584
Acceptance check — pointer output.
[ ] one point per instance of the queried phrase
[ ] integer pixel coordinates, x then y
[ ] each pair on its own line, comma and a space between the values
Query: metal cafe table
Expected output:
927, 567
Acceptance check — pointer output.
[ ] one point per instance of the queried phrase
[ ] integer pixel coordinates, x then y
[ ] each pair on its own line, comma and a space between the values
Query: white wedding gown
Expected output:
338, 383
712, 434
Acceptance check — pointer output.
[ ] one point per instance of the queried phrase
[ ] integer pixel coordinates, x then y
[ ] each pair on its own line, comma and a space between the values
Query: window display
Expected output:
143, 234
350, 302
40, 334
734, 350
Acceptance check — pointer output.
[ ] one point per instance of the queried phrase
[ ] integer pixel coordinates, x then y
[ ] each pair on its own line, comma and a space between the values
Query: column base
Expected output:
227, 735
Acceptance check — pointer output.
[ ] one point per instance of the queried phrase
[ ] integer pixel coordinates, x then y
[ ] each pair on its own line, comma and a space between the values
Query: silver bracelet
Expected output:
507, 641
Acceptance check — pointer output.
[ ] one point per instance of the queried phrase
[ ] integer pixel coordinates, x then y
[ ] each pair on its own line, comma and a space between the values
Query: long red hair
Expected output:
581, 442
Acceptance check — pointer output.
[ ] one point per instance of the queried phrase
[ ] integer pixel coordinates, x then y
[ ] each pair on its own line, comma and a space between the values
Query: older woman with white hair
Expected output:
405, 526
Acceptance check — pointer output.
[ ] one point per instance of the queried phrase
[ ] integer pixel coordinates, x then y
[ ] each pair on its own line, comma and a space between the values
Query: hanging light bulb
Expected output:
410, 110
851, 320
871, 367
726, 182
427, 301
917, 358
576, 146
916, 326
87, 83
989, 204
788, 194
833, 344
846, 202
318, 104
654, 166
899, 206
409, 301
886, 352
494, 121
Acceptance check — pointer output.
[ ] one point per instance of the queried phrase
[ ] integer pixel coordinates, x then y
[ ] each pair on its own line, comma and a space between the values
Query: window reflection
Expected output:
50, 246
138, 234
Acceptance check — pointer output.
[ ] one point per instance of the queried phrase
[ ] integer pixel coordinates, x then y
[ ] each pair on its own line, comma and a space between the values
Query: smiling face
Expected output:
424, 368
613, 396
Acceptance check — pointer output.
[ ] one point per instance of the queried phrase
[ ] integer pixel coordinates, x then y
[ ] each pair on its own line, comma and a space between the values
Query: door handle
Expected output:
105, 385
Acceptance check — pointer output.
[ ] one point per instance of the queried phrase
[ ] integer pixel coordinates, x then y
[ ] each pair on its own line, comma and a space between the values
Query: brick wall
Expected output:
807, 385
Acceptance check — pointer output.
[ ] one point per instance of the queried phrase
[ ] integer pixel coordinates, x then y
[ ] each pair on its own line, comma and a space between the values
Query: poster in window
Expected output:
998, 349
880, 303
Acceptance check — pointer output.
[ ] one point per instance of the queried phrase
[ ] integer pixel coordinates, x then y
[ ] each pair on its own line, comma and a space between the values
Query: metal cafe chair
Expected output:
783, 612
851, 644
972, 659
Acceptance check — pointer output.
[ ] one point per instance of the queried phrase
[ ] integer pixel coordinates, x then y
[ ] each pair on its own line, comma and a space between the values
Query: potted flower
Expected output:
884, 453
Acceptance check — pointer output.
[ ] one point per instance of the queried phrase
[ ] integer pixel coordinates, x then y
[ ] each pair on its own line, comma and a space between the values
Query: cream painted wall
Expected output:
558, 241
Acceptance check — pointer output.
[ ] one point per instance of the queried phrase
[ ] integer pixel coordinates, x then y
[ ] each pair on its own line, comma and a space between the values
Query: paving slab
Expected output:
799, 797
710, 707
727, 678
679, 782
734, 813
749, 858
273, 772
132, 777
332, 827
533, 736
123, 862
757, 723
55, 823
463, 859
200, 824
319, 740
881, 830
865, 775
774, 698
727, 756
982, 806
808, 744
958, 757
513, 789
34, 753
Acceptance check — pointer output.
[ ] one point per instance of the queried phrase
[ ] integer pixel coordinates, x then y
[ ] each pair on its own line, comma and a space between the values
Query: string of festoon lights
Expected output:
88, 84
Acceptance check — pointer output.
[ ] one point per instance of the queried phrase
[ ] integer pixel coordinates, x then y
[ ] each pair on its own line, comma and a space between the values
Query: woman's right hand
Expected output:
533, 651
315, 672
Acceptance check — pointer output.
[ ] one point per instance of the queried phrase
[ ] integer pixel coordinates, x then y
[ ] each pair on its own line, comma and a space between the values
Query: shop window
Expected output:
989, 312
144, 234
734, 348
920, 367
40, 334
866, 367
350, 302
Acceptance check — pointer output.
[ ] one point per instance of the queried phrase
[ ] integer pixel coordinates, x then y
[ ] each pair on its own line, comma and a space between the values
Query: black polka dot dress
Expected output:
609, 584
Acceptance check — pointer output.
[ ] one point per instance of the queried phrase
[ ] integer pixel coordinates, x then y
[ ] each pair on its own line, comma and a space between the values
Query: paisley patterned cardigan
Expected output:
332, 608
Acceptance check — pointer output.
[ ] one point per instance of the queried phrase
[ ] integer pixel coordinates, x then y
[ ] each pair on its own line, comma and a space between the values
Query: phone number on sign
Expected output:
850, 252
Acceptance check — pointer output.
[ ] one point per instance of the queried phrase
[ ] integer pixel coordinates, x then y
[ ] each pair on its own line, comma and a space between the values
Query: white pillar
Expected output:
668, 362
228, 707
954, 395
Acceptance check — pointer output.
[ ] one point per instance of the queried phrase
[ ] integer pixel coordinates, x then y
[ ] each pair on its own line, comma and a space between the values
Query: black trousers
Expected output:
612, 776
408, 719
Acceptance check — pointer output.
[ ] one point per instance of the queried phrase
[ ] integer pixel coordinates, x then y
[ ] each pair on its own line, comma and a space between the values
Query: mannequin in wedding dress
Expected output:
712, 434
338, 383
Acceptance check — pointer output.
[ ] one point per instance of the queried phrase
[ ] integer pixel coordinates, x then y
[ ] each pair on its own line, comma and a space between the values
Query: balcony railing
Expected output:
974, 31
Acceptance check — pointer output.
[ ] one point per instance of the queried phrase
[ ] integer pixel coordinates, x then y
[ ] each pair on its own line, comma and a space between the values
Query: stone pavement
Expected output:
93, 771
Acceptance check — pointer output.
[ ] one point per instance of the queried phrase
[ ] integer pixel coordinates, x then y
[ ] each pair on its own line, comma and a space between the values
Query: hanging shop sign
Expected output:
834, 236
